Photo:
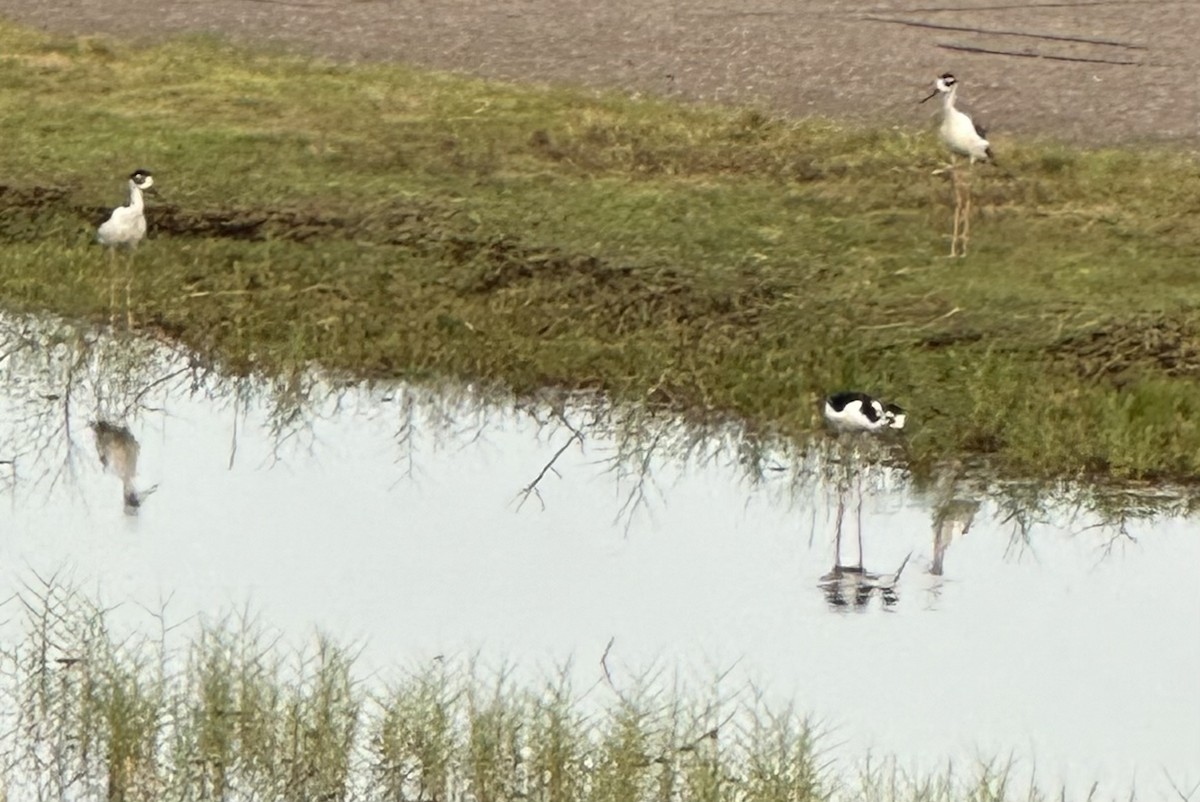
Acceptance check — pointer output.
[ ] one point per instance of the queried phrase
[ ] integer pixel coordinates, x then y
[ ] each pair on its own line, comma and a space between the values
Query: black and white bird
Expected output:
964, 138
858, 412
127, 224
959, 132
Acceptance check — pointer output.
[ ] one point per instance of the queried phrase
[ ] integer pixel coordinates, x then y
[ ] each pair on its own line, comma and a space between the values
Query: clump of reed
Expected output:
224, 710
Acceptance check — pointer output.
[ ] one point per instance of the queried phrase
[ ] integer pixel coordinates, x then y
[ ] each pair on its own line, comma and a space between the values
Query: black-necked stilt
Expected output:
126, 227
127, 224
856, 412
964, 138
958, 131
859, 412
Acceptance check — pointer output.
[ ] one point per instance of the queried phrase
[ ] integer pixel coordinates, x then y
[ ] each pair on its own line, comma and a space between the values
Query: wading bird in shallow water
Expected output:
852, 412
848, 584
858, 412
118, 450
964, 138
126, 227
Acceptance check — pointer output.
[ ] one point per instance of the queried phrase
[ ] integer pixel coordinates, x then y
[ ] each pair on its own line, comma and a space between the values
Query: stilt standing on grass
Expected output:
126, 227
964, 138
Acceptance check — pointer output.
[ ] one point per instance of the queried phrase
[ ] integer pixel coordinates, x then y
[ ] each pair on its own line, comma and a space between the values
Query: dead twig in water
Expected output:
532, 487
604, 665
1184, 796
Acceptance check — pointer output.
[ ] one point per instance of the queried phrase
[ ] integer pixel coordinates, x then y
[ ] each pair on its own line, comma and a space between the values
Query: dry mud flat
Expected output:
1095, 71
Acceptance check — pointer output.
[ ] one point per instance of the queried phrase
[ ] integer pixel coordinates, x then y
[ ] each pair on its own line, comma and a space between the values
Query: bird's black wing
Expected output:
839, 400
979, 127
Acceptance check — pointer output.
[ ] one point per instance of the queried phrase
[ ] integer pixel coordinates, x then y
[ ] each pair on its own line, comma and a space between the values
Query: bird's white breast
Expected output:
959, 134
126, 226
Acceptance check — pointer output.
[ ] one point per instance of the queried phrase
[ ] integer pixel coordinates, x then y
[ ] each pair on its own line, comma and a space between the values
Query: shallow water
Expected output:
396, 518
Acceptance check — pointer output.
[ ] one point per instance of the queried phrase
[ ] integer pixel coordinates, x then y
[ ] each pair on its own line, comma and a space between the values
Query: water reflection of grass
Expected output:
229, 712
59, 376
394, 223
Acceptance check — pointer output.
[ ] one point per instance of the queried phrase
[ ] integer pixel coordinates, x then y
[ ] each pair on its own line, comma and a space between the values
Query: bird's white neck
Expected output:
949, 97
136, 202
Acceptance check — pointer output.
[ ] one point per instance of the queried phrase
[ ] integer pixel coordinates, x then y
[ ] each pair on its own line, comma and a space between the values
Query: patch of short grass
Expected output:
399, 223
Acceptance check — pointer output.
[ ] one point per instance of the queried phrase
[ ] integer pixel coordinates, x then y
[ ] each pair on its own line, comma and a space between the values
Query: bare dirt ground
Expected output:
1097, 71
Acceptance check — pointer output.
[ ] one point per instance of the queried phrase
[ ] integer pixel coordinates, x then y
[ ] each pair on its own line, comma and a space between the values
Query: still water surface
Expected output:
396, 518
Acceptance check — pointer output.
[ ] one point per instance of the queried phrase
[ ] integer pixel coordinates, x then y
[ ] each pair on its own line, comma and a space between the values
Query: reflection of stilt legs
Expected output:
837, 527
848, 585
859, 512
850, 463
843, 489
112, 288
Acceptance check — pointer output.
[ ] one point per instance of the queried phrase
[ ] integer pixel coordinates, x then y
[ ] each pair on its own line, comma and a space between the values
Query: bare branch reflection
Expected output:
60, 376
533, 488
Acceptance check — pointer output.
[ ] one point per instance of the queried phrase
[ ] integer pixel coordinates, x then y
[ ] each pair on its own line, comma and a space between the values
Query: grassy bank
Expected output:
397, 223
224, 710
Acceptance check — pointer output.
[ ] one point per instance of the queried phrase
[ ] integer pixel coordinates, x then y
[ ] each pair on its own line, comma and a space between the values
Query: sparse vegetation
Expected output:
222, 709
404, 224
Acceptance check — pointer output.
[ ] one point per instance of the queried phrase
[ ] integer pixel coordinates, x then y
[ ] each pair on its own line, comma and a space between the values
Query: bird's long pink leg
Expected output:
966, 232
954, 238
129, 289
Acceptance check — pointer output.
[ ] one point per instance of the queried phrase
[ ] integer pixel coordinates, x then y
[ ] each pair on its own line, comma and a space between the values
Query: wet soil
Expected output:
1096, 71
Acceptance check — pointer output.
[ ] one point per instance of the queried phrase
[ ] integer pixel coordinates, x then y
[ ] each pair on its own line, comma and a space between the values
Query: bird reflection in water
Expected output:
118, 450
848, 585
952, 520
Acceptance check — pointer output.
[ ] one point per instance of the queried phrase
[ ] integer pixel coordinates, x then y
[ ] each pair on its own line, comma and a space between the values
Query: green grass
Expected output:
395, 223
222, 709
